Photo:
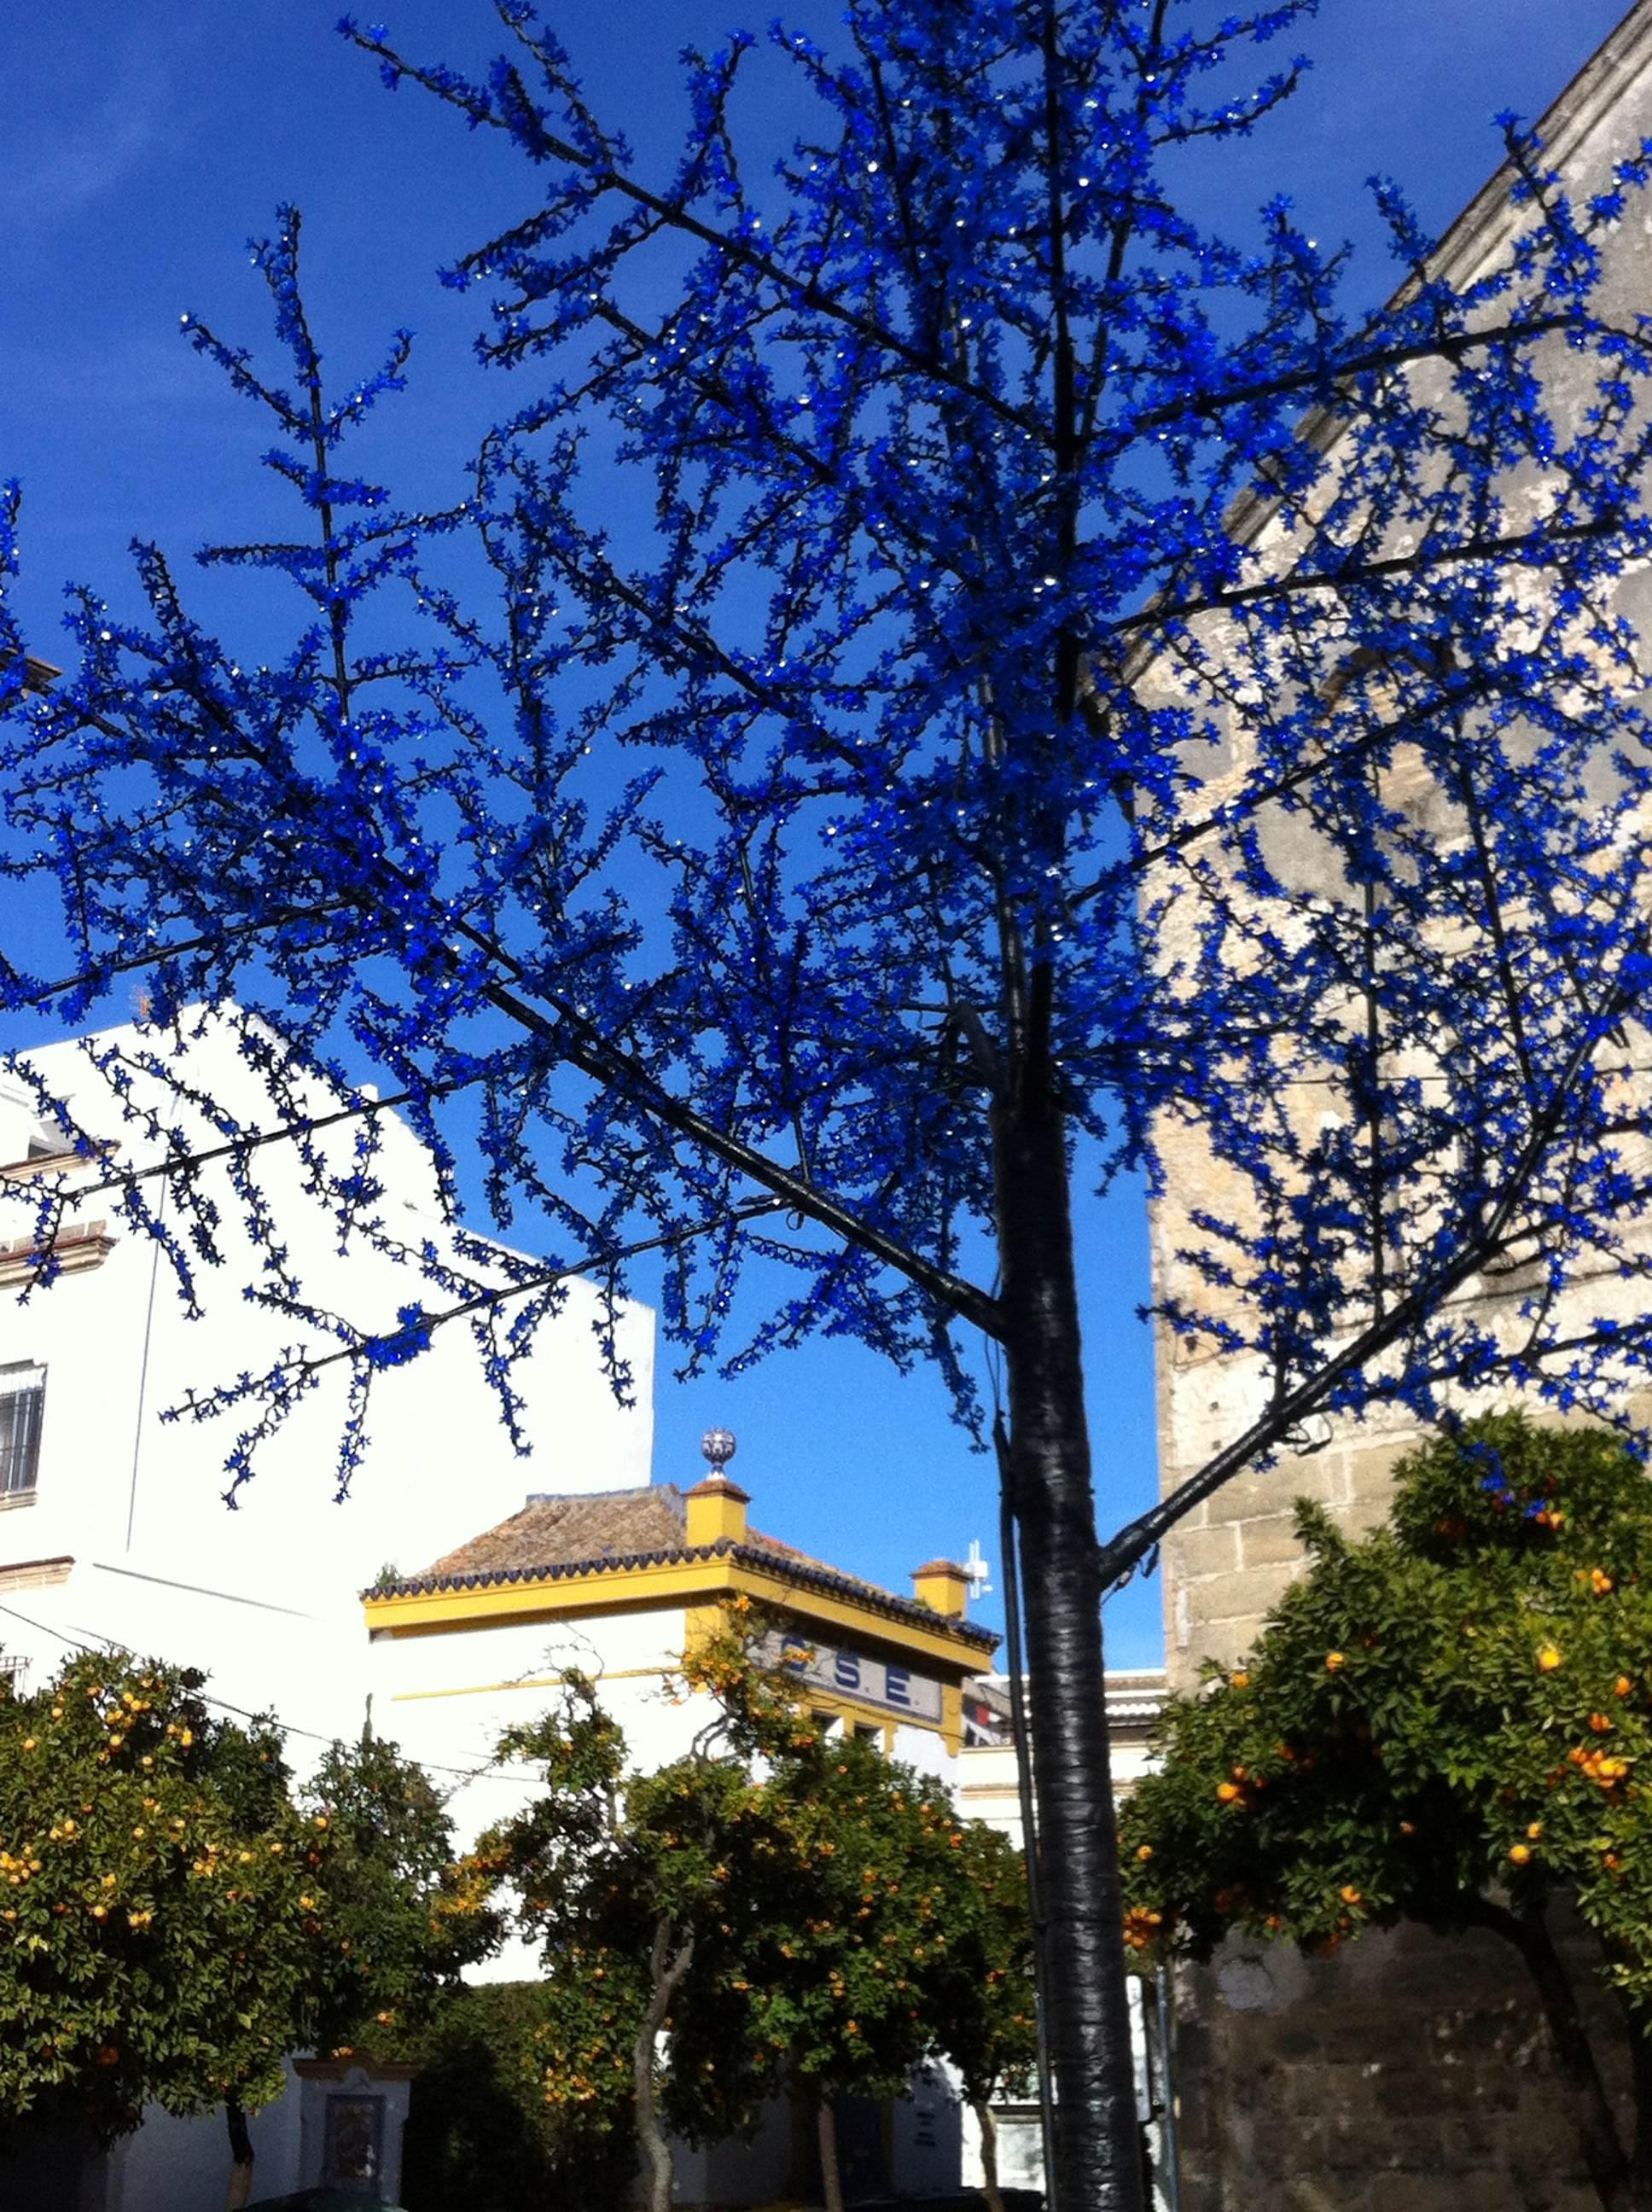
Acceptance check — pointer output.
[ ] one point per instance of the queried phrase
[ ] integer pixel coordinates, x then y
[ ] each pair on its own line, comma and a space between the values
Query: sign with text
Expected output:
847, 1673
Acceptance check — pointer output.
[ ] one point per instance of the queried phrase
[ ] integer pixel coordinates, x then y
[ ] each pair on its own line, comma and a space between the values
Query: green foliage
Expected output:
600, 1865
403, 1915
172, 1920
165, 1900
856, 1915
981, 1998
1458, 1707
483, 2135
885, 1929
845, 1923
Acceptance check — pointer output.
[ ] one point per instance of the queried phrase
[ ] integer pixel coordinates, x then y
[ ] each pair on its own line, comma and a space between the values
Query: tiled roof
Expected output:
554, 1537
561, 1532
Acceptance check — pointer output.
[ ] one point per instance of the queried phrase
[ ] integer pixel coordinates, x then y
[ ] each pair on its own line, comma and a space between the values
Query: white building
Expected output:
618, 1586
987, 1786
111, 1520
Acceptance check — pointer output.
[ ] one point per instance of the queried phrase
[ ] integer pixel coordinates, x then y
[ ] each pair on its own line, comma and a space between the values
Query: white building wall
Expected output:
446, 1698
265, 1598
172, 2166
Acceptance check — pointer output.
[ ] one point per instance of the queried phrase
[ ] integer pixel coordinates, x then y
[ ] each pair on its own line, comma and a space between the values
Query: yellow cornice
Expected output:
648, 1587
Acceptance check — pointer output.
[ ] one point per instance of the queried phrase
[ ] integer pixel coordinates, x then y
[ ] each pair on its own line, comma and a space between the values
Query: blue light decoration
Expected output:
950, 668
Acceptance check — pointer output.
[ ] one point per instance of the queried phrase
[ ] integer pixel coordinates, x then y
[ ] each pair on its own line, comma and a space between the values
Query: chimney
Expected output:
716, 1509
944, 1585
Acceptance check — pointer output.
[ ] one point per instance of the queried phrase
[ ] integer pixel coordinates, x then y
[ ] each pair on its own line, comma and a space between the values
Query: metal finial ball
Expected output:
717, 1446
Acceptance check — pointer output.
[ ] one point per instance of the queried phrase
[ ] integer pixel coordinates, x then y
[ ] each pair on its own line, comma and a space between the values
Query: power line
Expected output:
287, 1727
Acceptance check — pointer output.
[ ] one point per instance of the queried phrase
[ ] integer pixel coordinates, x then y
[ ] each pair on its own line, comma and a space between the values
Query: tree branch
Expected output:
1130, 1544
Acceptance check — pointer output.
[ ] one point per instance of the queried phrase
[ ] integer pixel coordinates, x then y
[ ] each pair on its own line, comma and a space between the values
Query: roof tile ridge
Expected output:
872, 1595
722, 1547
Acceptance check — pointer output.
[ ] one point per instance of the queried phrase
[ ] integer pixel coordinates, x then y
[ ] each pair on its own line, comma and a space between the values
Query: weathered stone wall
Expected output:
1409, 2073
1234, 1557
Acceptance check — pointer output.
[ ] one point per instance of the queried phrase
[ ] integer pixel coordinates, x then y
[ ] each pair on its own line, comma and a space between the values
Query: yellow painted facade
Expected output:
699, 1586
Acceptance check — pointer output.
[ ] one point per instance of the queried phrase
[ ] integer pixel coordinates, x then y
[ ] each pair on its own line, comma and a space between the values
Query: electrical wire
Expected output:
287, 1727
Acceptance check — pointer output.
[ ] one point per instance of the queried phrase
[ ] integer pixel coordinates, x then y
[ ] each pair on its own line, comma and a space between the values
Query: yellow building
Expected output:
617, 1584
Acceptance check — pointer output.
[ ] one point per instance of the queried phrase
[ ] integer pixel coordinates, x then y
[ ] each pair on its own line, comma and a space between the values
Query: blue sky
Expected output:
145, 142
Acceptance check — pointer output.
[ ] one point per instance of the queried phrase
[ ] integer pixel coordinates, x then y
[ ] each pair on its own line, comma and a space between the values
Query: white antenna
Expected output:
976, 1571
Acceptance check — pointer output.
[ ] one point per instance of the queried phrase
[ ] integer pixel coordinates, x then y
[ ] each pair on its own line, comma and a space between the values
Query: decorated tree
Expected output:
170, 1927
805, 853
1450, 1722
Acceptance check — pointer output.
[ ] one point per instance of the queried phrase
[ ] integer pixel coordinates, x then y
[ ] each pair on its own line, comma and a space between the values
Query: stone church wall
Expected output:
1408, 2073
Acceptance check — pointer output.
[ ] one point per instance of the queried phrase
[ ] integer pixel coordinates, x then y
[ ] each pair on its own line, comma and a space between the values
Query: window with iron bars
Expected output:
22, 1396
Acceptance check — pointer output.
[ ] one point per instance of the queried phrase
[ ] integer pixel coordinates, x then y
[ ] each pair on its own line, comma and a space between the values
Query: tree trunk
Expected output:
1084, 1996
831, 2181
240, 2153
987, 2121
669, 1968
1640, 2062
1616, 2184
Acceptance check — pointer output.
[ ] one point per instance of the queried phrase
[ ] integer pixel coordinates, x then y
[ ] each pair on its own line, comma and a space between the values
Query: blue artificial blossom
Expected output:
972, 672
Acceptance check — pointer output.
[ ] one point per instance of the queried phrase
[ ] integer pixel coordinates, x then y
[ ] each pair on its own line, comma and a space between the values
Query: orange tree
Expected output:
482, 2135
1450, 1722
174, 1921
857, 1908
638, 1893
787, 1903
405, 1916
885, 1929
982, 2002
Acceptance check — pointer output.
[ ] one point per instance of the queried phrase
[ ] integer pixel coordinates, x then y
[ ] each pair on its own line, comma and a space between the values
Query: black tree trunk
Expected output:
1618, 2184
1097, 2164
240, 2156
